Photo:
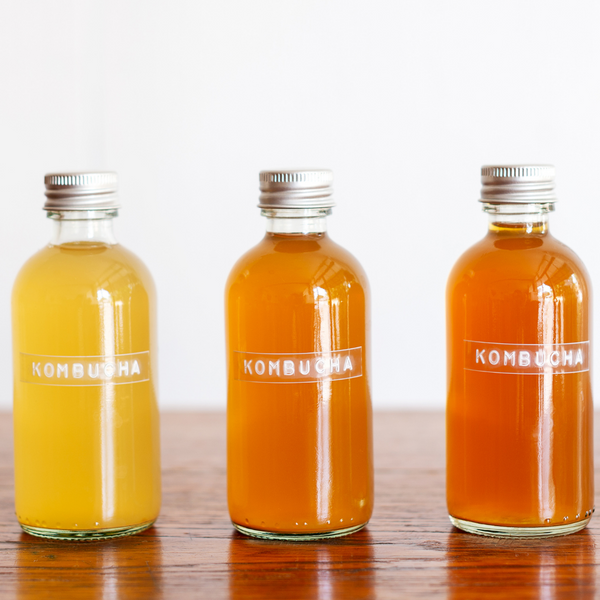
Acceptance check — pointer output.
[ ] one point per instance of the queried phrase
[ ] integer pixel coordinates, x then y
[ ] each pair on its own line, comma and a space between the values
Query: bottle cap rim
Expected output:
87, 190
518, 184
296, 188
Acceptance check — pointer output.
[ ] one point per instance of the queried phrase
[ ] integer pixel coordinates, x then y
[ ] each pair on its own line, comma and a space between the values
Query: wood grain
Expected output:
409, 550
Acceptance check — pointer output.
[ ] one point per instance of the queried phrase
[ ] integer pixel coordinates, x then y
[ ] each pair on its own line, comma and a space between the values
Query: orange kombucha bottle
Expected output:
299, 446
87, 462
519, 412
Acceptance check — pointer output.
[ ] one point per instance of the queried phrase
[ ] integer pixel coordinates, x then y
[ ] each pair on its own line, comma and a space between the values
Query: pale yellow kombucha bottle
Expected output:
86, 425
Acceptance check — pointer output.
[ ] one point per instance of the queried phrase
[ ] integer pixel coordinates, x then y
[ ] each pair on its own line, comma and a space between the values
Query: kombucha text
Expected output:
526, 359
85, 370
298, 368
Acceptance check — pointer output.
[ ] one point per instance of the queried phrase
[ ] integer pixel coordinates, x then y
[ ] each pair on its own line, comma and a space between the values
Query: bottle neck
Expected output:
294, 221
86, 226
518, 219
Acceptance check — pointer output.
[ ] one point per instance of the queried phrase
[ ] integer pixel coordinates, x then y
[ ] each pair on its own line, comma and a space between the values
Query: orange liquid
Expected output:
299, 454
519, 447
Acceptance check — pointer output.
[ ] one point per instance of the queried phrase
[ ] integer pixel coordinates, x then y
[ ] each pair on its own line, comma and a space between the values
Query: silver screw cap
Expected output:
296, 188
81, 191
517, 184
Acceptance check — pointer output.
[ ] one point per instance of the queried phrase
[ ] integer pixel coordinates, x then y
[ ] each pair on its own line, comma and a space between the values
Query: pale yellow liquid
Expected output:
86, 458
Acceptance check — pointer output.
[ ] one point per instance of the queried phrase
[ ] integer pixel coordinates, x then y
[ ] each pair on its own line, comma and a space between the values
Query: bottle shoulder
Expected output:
533, 259
307, 260
81, 265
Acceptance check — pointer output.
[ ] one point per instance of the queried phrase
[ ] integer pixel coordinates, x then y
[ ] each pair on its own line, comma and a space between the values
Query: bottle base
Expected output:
517, 532
297, 537
85, 535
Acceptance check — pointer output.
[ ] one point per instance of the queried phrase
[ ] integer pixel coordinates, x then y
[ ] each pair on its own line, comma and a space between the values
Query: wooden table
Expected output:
409, 550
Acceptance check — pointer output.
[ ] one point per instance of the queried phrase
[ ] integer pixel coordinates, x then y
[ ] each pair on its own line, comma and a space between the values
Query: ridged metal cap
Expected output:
296, 188
517, 184
81, 191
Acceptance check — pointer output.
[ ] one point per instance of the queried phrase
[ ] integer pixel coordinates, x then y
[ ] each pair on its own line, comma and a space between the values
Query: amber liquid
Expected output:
519, 447
299, 454
86, 458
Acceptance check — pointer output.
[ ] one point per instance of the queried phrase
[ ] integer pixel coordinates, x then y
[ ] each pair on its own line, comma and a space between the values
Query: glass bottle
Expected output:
86, 425
299, 446
519, 413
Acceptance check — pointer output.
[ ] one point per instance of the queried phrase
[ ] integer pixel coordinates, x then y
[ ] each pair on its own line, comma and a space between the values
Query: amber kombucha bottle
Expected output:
519, 413
299, 446
85, 414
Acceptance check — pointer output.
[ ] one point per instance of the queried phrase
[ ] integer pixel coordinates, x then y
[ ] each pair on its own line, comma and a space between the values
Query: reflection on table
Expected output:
561, 567
339, 568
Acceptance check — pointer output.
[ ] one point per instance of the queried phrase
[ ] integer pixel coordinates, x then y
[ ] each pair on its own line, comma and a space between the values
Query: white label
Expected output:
310, 367
85, 370
527, 359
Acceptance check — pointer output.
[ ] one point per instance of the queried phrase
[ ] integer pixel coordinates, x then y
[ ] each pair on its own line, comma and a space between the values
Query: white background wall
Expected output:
189, 99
